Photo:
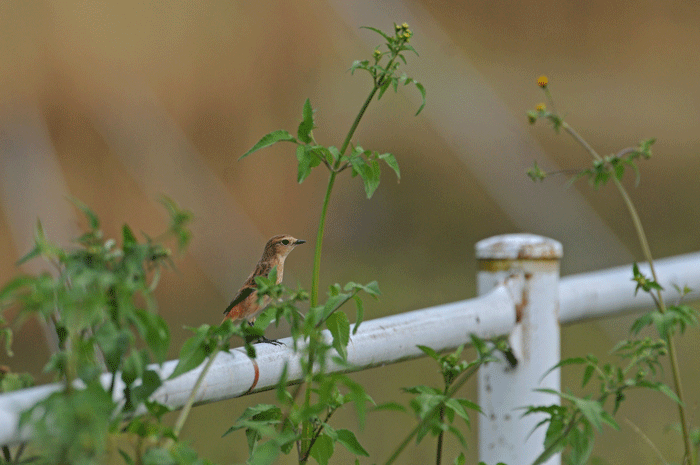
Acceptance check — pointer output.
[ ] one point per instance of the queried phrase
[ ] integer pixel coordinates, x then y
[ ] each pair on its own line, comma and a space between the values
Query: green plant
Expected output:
435, 408
364, 163
572, 425
100, 302
106, 340
302, 422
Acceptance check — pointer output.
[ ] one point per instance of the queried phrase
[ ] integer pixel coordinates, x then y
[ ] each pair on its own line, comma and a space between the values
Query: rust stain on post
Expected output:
494, 264
520, 307
540, 251
513, 248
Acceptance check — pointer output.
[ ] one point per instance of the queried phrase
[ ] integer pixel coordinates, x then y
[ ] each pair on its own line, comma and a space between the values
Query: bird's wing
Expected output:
242, 294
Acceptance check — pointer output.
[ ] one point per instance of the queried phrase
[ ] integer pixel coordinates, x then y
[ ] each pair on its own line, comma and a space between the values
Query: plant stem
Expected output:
315, 277
438, 455
307, 428
557, 442
649, 442
355, 123
646, 251
190, 400
317, 432
580, 140
319, 241
450, 392
675, 369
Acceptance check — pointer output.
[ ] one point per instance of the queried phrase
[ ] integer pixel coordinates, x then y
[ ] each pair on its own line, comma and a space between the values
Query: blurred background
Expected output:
116, 103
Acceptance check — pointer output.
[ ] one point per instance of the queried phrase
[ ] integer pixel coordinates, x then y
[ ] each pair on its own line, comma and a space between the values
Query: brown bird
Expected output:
245, 304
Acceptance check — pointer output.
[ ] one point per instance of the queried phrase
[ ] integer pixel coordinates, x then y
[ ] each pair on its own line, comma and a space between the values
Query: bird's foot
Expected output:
274, 342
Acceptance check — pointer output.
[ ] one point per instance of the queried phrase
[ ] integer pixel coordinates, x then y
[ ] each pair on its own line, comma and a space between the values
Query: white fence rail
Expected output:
522, 297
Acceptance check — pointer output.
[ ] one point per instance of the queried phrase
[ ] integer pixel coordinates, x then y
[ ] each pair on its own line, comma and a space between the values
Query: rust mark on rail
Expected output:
256, 368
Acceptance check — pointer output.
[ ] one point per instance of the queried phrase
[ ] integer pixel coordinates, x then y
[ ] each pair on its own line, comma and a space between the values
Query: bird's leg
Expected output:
263, 339
274, 342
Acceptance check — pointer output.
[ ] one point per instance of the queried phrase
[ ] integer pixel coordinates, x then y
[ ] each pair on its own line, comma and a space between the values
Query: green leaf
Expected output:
357, 396
339, 327
587, 373
322, 449
35, 252
466, 403
192, 354
307, 123
264, 454
179, 219
133, 368
684, 315
359, 64
149, 383
269, 139
155, 331
378, 31
92, 218
385, 85
262, 413
581, 444
393, 406
359, 166
661, 387
157, 456
126, 457
114, 343
334, 153
42, 246
619, 171
609, 420
591, 409
304, 163
429, 352
16, 286
565, 362
554, 443
128, 239
645, 147
307, 158
371, 288
15, 381
390, 160
333, 303
665, 323
347, 438
421, 89
409, 48
458, 408
360, 313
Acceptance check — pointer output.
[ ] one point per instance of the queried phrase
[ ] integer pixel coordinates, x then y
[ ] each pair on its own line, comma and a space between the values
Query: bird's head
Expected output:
281, 245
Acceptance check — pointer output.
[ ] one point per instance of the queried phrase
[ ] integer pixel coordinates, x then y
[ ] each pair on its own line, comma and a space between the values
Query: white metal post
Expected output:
504, 435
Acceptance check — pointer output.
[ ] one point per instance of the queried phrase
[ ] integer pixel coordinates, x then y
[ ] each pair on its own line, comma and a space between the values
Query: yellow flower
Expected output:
405, 26
542, 81
540, 107
377, 54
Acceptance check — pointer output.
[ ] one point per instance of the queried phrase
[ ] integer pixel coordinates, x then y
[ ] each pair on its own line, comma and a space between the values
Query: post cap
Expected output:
518, 247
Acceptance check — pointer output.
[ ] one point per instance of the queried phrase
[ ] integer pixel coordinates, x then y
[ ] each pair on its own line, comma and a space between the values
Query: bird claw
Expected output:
274, 342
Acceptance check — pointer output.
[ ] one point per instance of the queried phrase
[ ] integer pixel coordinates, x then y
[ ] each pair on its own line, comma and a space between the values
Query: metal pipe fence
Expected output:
521, 295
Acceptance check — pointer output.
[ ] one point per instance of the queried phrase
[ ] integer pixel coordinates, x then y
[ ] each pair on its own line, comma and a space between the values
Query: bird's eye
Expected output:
285, 242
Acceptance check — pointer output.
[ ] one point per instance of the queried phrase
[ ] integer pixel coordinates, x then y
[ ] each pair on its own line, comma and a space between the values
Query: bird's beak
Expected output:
299, 241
